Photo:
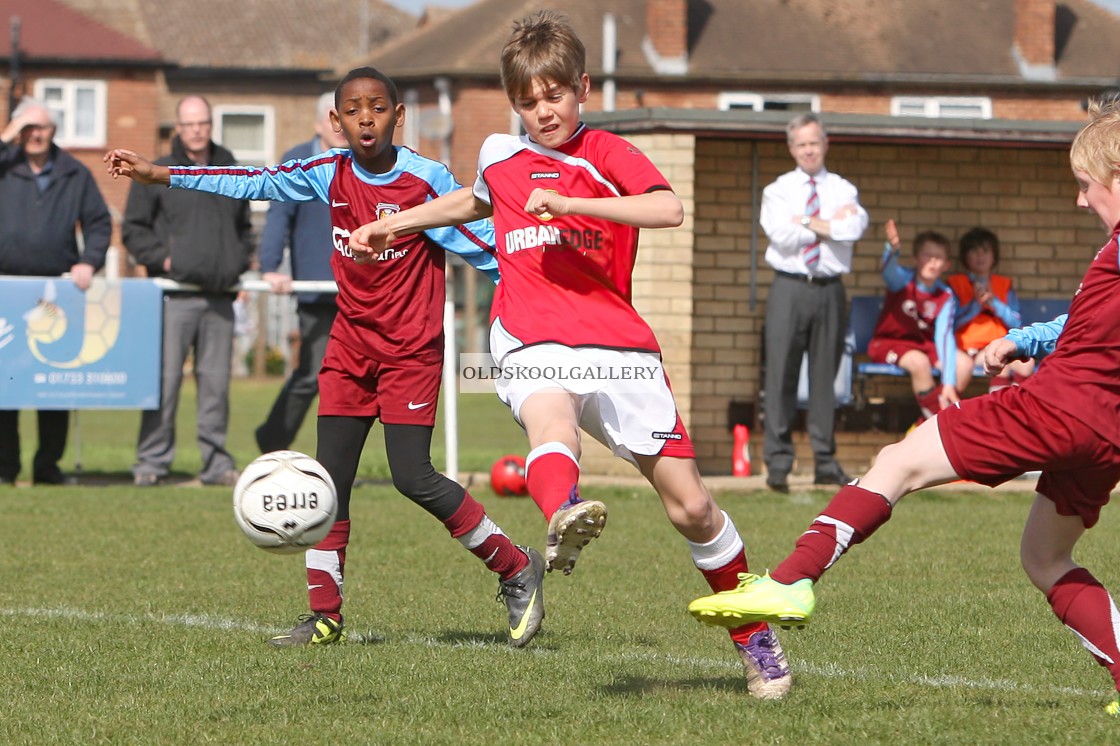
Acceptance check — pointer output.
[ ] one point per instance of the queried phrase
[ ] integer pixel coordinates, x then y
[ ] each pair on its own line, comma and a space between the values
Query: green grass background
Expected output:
139, 616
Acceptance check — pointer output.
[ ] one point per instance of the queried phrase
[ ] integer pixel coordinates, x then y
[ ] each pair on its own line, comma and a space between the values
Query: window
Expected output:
78, 107
944, 107
248, 131
769, 101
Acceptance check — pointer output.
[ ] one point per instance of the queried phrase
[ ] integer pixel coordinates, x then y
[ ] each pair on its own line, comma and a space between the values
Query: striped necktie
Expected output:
812, 253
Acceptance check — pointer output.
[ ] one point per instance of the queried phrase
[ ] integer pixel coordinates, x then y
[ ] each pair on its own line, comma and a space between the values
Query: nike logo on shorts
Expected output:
339, 204
421, 405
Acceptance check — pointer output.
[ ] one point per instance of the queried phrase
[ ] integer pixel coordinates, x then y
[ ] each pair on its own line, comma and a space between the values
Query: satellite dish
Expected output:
435, 125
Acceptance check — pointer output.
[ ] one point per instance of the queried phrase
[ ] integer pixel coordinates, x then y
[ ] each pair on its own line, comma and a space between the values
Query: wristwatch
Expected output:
806, 221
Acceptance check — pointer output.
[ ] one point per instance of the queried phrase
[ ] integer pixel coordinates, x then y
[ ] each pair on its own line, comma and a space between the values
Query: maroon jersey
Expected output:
1081, 377
566, 279
391, 309
911, 313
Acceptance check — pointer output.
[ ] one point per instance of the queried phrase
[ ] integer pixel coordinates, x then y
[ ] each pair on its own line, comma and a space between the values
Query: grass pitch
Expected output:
139, 616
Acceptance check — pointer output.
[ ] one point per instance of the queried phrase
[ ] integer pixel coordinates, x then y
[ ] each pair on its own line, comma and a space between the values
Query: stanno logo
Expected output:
545, 175
666, 436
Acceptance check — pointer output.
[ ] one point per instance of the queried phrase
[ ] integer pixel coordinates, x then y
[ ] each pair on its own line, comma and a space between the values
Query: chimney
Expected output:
666, 43
1034, 32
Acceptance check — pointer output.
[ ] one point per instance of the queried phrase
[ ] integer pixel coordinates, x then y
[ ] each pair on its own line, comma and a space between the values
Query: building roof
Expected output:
51, 31
940, 42
841, 127
264, 35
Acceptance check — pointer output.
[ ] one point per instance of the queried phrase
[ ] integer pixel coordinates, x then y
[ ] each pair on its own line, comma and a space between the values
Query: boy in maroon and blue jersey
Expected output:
915, 327
385, 355
1064, 420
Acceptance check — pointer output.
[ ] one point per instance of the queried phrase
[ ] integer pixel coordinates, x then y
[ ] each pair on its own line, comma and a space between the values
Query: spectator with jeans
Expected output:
44, 194
813, 219
204, 241
305, 228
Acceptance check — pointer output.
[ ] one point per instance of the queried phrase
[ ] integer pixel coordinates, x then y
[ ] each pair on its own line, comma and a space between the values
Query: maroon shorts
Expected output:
882, 350
991, 439
353, 385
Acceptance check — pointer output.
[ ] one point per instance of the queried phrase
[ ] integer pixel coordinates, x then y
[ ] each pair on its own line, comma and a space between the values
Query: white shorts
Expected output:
624, 396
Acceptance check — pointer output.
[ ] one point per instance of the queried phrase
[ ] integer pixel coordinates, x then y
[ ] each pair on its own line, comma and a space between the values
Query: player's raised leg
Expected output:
786, 596
717, 551
520, 570
551, 420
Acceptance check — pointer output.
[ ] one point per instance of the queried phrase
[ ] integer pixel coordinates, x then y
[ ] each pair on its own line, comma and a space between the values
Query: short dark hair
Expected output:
974, 239
359, 73
932, 237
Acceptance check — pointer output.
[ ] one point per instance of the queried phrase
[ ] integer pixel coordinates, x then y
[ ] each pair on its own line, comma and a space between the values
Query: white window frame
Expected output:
932, 105
757, 101
264, 157
65, 135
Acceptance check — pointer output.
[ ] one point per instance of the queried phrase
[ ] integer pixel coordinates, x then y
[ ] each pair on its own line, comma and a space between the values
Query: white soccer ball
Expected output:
285, 502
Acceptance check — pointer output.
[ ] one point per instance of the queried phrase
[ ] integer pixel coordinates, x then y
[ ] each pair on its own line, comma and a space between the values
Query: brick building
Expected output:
704, 286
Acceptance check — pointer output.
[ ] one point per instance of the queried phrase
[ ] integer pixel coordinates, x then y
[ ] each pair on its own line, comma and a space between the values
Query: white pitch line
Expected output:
832, 671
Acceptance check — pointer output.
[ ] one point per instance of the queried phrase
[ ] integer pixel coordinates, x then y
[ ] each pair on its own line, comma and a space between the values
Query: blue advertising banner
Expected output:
61, 348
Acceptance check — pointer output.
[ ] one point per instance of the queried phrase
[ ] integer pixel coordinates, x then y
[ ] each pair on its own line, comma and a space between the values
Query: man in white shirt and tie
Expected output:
812, 218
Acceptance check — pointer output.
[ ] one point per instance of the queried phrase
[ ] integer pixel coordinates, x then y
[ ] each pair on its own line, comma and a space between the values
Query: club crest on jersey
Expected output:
384, 210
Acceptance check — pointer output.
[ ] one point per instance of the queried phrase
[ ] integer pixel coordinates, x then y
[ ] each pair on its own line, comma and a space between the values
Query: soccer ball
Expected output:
285, 502
507, 477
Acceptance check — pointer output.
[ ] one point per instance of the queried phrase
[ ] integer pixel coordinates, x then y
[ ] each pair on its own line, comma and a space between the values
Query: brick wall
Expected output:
1026, 195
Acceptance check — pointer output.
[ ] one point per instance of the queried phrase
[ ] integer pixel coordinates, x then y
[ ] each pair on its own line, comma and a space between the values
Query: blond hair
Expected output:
542, 46
1096, 149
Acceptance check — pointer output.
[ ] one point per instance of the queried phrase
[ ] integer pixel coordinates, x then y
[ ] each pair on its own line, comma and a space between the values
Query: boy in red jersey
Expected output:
915, 327
1062, 420
567, 204
385, 354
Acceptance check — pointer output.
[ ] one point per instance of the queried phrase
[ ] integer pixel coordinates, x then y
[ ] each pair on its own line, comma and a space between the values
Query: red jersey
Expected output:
566, 280
1081, 377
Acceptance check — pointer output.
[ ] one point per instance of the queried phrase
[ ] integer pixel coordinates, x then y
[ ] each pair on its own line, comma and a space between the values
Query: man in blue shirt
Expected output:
305, 228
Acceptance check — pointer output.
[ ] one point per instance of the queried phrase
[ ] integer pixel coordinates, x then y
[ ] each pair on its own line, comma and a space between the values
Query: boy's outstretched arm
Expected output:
456, 208
123, 162
658, 209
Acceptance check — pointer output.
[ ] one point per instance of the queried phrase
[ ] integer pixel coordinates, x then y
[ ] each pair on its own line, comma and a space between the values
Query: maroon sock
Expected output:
484, 539
929, 401
552, 478
724, 579
852, 515
326, 565
1082, 604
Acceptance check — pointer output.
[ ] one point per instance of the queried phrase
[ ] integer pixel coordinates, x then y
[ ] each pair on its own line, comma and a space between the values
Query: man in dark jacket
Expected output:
44, 193
305, 228
203, 240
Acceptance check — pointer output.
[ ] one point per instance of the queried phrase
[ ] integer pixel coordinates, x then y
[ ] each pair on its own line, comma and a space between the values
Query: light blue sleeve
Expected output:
1008, 312
894, 274
945, 341
300, 180
465, 240
1038, 340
